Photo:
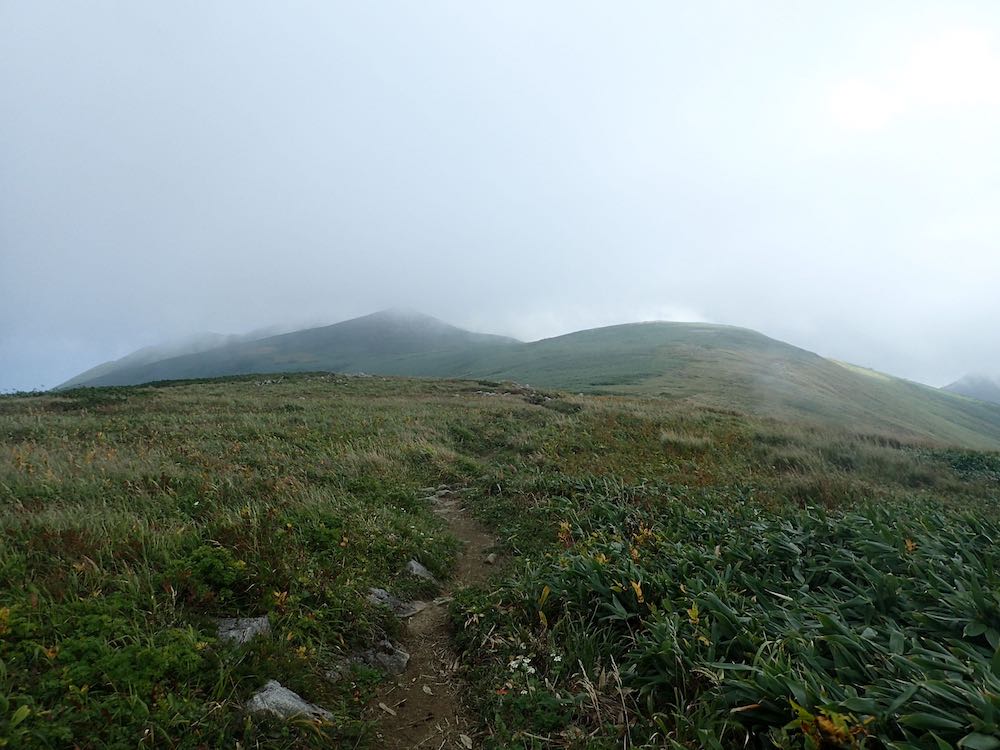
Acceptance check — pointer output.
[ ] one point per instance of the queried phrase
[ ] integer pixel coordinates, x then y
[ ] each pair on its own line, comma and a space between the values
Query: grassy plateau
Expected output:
679, 574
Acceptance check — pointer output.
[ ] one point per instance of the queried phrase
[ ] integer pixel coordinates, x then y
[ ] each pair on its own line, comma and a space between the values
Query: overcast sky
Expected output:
826, 173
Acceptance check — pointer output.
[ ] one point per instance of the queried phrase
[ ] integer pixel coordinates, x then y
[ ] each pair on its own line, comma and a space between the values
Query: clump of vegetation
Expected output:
788, 628
759, 585
680, 576
684, 441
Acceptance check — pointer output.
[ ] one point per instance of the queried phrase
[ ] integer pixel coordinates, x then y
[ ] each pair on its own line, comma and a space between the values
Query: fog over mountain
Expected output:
822, 173
982, 387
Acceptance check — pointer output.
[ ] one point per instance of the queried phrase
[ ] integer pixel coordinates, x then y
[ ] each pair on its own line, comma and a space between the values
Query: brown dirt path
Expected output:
425, 703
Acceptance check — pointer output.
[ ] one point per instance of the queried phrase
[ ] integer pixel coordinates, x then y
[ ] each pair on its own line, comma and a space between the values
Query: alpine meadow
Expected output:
668, 574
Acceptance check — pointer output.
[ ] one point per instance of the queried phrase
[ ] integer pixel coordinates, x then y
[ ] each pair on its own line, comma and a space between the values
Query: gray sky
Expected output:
826, 173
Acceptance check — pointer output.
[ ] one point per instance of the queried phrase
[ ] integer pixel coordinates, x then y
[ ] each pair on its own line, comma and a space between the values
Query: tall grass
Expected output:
680, 575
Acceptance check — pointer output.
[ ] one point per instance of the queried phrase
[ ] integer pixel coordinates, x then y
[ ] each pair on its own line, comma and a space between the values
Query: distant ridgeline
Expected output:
719, 366
980, 387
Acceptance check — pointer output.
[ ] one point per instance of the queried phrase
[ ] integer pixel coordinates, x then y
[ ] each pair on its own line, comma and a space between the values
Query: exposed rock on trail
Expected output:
382, 598
385, 656
423, 707
416, 569
276, 699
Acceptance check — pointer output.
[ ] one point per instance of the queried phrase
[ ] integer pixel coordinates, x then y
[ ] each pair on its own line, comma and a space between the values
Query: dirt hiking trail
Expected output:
423, 707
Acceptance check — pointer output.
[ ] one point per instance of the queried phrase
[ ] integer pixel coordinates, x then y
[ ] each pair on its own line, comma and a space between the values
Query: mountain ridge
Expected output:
980, 387
709, 364
348, 345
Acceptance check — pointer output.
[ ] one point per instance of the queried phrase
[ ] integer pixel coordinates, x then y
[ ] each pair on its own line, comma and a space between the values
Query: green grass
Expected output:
132, 517
736, 626
681, 575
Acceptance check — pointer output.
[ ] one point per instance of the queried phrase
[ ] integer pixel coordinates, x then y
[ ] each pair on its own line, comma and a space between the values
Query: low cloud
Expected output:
951, 73
822, 173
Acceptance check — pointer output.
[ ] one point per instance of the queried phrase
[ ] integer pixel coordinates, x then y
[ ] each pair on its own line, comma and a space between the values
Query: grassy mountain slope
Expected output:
979, 387
735, 368
377, 343
711, 365
148, 355
670, 575
741, 369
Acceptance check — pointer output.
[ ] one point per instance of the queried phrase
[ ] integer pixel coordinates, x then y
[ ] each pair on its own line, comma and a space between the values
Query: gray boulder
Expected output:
386, 656
416, 569
283, 703
382, 598
242, 629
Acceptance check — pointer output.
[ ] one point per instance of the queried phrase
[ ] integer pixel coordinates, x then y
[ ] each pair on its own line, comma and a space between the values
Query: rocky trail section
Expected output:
421, 703
423, 707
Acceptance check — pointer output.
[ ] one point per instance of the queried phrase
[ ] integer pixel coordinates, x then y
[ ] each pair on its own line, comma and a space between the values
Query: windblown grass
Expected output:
682, 575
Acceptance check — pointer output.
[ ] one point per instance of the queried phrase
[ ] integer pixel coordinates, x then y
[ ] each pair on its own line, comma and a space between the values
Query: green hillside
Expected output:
735, 368
379, 343
150, 354
709, 365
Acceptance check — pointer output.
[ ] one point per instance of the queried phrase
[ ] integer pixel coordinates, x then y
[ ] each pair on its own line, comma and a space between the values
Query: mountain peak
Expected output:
403, 315
982, 387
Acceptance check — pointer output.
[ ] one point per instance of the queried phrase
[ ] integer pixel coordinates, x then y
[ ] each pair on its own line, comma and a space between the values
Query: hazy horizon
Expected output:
187, 344
823, 175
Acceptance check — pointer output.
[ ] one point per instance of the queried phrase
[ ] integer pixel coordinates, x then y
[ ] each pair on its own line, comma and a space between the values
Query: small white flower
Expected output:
557, 659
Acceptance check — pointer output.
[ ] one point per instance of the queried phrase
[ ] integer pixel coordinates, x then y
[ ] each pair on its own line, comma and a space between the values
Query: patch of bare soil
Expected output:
423, 707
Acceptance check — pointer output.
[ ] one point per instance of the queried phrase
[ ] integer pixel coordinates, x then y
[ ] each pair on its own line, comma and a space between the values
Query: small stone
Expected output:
382, 598
466, 741
242, 630
418, 570
385, 656
340, 670
491, 558
408, 609
275, 699
427, 689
